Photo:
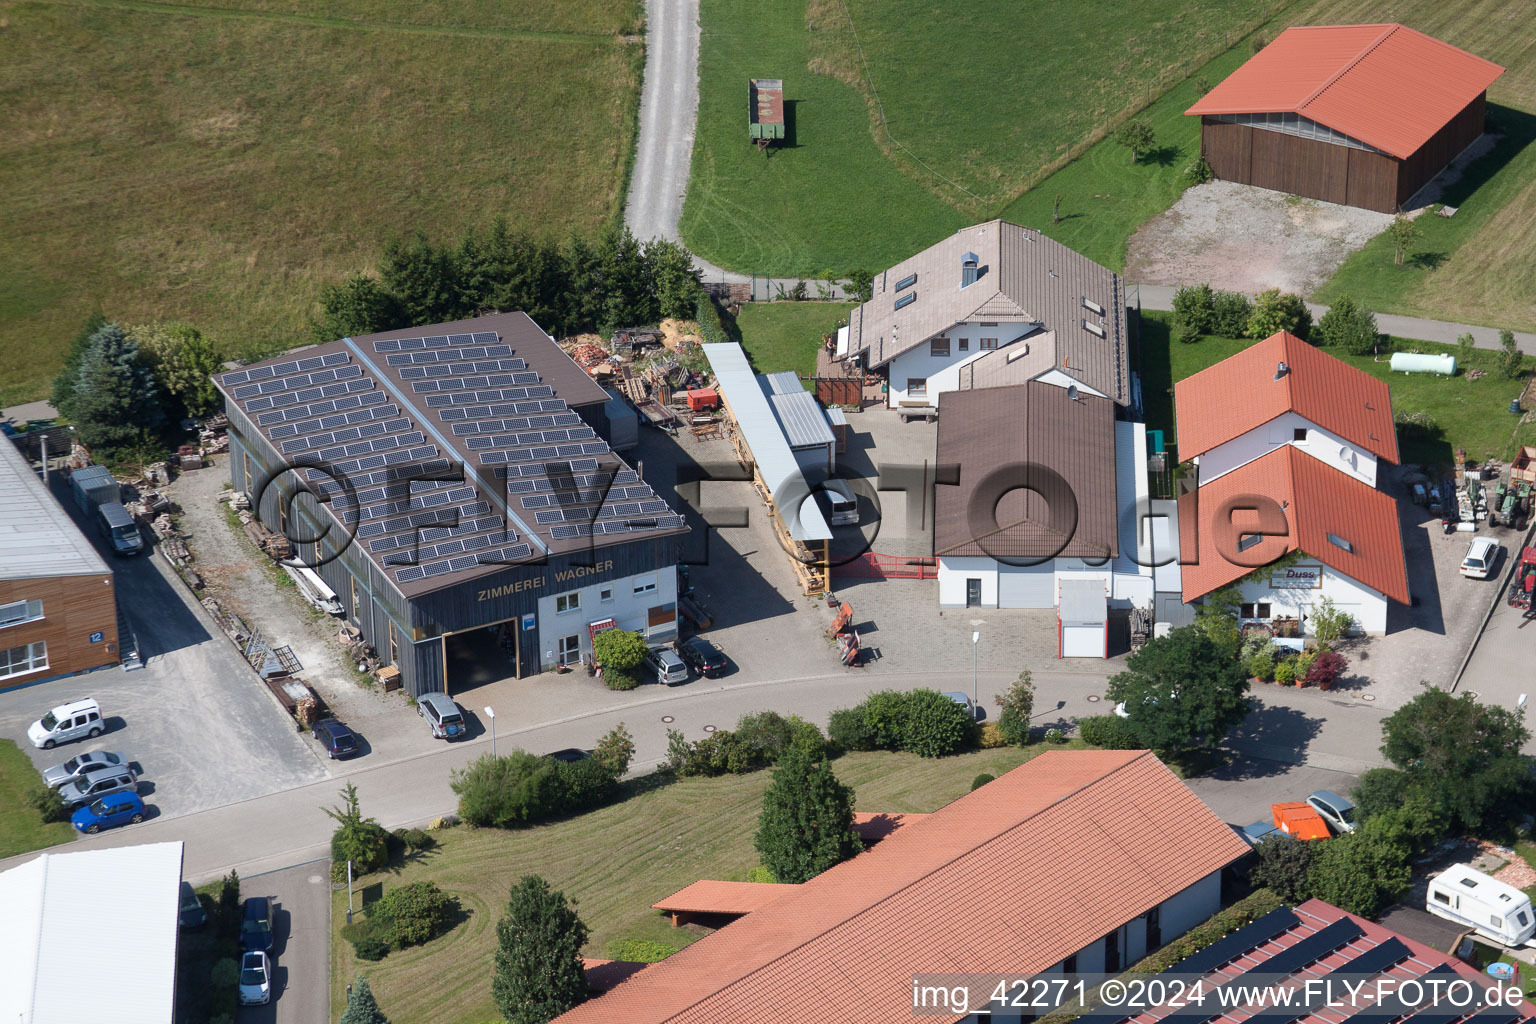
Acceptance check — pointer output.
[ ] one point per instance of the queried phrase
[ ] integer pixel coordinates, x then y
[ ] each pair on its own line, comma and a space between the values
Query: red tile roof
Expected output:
710, 897
603, 975
1013, 877
1241, 393
873, 827
1317, 500
1385, 85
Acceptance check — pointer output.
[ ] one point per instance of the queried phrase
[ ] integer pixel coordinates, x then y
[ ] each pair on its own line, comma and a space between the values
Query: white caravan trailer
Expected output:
1498, 911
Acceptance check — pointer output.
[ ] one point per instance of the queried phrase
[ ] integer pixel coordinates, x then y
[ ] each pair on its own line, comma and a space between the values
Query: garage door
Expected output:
1082, 639
1026, 586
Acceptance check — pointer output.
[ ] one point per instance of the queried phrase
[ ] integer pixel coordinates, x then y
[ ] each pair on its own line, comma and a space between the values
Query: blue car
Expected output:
110, 811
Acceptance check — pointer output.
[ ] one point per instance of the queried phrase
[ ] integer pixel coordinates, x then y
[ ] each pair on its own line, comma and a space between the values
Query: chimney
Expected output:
968, 269
1281, 370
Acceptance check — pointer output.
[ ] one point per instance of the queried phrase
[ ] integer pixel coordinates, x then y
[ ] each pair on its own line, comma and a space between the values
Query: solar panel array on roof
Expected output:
1306, 999
1246, 939
1394, 1005
1312, 948
305, 365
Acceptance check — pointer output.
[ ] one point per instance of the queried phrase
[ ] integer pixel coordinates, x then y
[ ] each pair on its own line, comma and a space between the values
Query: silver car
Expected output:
1337, 811
75, 767
669, 668
98, 783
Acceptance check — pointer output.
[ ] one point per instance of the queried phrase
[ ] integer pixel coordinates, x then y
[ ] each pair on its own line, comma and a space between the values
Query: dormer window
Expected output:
970, 269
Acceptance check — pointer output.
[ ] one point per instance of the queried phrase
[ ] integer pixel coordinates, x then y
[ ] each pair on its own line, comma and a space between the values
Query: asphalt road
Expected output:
301, 950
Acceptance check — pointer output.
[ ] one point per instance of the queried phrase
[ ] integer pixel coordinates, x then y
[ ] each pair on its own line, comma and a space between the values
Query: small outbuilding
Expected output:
1362, 115
1082, 620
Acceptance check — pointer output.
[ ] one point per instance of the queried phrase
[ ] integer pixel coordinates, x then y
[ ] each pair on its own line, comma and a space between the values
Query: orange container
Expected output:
701, 399
1298, 820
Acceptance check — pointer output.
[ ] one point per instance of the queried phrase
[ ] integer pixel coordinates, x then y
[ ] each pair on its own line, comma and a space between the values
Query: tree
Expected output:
362, 1008
627, 298
357, 306
1135, 135
183, 361
619, 652
1284, 864
360, 840
115, 398
1202, 85
1195, 307
1349, 326
1056, 208
1216, 617
1403, 233
424, 280
1380, 790
1463, 757
1276, 311
1510, 359
1363, 870
615, 750
673, 279
861, 285
1466, 342
1182, 692
64, 384
806, 824
508, 791
1328, 624
538, 955
1017, 705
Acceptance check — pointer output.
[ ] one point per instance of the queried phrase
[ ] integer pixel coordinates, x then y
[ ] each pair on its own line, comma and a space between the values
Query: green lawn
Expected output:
1471, 414
21, 828
615, 862
785, 335
218, 163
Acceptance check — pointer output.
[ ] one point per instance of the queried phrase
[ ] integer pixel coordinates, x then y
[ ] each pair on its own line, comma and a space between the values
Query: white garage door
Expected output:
1026, 586
1082, 640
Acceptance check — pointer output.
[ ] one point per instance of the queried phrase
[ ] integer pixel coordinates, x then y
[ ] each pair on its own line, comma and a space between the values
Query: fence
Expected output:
770, 289
873, 566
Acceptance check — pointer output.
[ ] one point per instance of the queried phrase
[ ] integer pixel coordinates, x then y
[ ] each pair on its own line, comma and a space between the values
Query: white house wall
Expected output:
1323, 445
1369, 607
943, 372
1189, 907
953, 572
628, 610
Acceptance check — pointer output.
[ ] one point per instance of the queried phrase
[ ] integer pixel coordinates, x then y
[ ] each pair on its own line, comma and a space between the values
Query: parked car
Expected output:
77, 766
336, 738
190, 913
109, 812
703, 657
77, 720
98, 783
964, 700
666, 665
569, 754
1481, 557
1258, 832
443, 715
256, 924
1337, 811
255, 978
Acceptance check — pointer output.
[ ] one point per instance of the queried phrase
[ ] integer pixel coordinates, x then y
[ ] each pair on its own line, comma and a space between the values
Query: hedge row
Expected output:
924, 722
757, 742
522, 788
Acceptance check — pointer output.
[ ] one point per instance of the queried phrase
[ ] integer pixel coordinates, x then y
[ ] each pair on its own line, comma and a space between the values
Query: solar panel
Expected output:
1244, 940
1495, 1015
1443, 1012
1313, 948
1394, 1005
1305, 999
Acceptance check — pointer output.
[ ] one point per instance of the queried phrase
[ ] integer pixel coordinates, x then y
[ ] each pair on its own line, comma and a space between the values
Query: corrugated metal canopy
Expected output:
116, 909
759, 427
805, 425
37, 537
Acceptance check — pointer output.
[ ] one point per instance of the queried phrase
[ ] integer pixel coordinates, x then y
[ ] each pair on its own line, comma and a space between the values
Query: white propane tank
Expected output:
1423, 362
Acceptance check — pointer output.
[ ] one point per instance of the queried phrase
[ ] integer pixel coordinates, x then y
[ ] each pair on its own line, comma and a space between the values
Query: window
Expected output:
26, 658
986, 343
645, 585
1258, 610
906, 282
986, 324
1248, 541
917, 386
938, 347
567, 602
605, 595
906, 300
394, 646
352, 585
1340, 542
965, 344
1069, 965
1496, 920
570, 649
1443, 897
1299, 435
1522, 919
19, 612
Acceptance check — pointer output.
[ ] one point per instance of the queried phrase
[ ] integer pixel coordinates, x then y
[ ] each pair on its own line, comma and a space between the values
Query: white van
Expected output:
1498, 911
77, 720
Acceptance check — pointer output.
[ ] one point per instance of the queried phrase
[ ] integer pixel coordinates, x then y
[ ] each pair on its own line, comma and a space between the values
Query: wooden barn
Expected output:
1363, 115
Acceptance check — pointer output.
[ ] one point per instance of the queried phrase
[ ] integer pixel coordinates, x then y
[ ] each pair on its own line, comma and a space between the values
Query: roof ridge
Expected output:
1391, 29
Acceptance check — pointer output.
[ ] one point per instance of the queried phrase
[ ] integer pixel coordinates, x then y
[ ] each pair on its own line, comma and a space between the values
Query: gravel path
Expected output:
1242, 238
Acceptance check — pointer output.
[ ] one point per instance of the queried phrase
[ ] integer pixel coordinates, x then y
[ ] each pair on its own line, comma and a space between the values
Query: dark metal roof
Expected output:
1060, 451
376, 424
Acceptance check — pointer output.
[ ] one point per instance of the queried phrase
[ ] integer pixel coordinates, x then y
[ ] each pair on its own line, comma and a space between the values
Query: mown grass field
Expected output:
219, 165
22, 828
614, 862
1471, 414
785, 335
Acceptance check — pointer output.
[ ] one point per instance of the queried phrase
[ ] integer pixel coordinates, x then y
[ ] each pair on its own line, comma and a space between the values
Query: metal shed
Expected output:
1082, 620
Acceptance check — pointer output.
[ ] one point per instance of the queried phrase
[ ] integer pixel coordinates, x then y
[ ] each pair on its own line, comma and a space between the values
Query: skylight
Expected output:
1340, 542
906, 300
1094, 329
906, 282
1094, 306
1252, 539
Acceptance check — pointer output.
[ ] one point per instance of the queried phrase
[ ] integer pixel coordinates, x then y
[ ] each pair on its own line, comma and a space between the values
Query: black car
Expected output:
336, 738
191, 912
569, 754
256, 924
703, 657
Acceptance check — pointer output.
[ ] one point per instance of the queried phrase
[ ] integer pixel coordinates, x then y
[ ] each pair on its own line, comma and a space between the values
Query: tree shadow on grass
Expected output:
1162, 156
1428, 260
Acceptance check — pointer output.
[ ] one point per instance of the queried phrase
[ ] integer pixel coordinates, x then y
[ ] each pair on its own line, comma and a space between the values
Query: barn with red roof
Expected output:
1363, 115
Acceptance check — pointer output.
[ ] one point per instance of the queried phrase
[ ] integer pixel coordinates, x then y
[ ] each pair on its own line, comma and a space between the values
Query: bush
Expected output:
361, 840
1285, 672
720, 753
225, 974
761, 874
584, 785
619, 649
47, 802
411, 914
1229, 314
370, 948
413, 839
1195, 307
618, 678
1198, 173
678, 748
1279, 311
935, 725
1261, 664
991, 737
1183, 333
886, 713
1284, 865
1016, 705
1325, 668
1349, 326
767, 734
639, 951
507, 791
1220, 924
981, 780
1111, 732
1055, 736
614, 751
849, 728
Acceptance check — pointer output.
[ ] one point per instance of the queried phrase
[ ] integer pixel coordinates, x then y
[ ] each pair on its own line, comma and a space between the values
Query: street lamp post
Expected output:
492, 716
975, 637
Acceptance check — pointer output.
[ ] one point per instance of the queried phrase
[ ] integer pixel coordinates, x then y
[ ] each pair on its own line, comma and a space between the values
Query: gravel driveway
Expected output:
1241, 238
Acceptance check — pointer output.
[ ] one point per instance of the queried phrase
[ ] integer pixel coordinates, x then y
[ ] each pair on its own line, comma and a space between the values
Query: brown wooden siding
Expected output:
1443, 147
1303, 167
74, 607
1227, 148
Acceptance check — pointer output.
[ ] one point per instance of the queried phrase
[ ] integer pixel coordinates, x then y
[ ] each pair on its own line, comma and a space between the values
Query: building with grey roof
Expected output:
58, 608
450, 485
991, 305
